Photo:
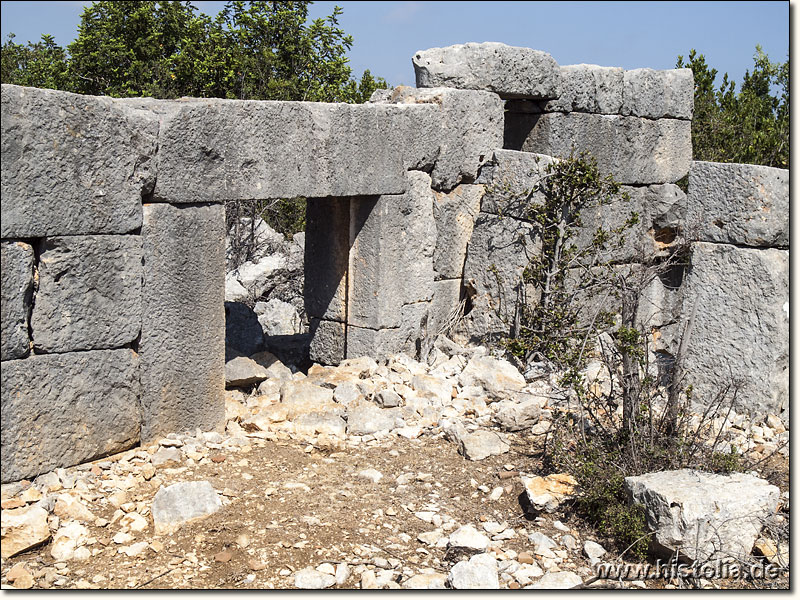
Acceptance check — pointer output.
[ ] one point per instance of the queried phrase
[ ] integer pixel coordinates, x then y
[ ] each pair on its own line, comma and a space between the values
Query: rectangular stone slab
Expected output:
328, 340
739, 204
635, 150
183, 319
72, 164
61, 410
216, 150
90, 293
17, 290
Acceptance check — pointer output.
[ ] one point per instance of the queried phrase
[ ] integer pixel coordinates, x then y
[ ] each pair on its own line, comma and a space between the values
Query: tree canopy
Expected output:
250, 50
751, 126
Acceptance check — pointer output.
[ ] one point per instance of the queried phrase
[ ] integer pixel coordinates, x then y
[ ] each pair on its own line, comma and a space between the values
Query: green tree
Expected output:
42, 64
751, 126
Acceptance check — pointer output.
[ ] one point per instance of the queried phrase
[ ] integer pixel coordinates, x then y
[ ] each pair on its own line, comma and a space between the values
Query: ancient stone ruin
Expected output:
113, 250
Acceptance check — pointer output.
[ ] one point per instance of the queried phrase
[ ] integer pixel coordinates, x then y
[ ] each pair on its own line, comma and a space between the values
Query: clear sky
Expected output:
619, 34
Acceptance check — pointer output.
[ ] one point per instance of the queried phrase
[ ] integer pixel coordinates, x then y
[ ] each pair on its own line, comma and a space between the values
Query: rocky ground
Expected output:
392, 475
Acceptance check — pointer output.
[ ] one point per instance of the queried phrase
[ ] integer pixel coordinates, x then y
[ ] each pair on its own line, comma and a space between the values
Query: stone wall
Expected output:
113, 252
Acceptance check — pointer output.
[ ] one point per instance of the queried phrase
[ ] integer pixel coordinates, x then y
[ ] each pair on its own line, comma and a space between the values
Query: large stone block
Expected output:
509, 71
327, 257
183, 319
60, 410
658, 94
90, 293
412, 335
391, 257
451, 148
328, 341
73, 164
216, 150
635, 150
455, 215
512, 182
589, 88
17, 288
741, 325
739, 204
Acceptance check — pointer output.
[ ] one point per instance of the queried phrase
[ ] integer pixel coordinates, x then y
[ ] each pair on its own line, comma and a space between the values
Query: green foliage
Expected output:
751, 126
168, 49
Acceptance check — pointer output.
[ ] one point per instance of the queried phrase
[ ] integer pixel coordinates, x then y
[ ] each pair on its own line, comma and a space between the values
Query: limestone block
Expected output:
90, 293
445, 305
509, 71
635, 150
60, 410
183, 319
73, 164
739, 204
391, 255
455, 215
498, 252
741, 326
215, 150
328, 339
512, 180
589, 88
451, 148
658, 94
327, 256
412, 334
17, 288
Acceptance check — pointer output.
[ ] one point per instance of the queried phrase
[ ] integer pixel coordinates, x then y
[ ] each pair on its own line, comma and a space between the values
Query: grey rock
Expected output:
410, 337
346, 392
658, 94
106, 147
569, 542
467, 536
593, 550
243, 371
495, 375
468, 125
455, 215
589, 88
320, 422
445, 307
274, 367
181, 503
90, 293
478, 445
167, 456
477, 573
741, 325
561, 580
512, 182
182, 345
23, 528
214, 150
739, 204
15, 305
253, 279
278, 317
327, 258
509, 71
665, 204
388, 399
328, 340
703, 515
635, 150
513, 415
311, 579
364, 418
60, 410
301, 397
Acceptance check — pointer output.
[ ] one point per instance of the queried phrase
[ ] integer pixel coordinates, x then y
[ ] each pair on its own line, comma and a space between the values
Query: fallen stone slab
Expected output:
703, 515
15, 305
478, 445
510, 71
243, 371
739, 204
181, 503
22, 529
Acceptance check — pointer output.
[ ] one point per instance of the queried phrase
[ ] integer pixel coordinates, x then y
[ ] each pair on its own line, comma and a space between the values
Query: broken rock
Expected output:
183, 502
547, 493
22, 529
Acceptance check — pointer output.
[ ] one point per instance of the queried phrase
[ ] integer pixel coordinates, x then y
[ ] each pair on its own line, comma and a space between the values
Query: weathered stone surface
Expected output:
499, 250
425, 581
183, 319
509, 71
182, 503
658, 94
546, 493
556, 580
327, 257
394, 240
328, 339
498, 377
512, 179
451, 148
69, 541
703, 515
455, 215
445, 306
73, 164
479, 444
635, 150
214, 150
516, 416
277, 317
243, 331
364, 418
90, 293
412, 335
478, 573
589, 88
311, 579
60, 410
242, 371
15, 305
467, 536
320, 422
251, 280
741, 325
739, 204
23, 528
303, 397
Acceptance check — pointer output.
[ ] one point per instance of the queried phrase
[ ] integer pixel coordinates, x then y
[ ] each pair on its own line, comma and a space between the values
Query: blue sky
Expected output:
620, 34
